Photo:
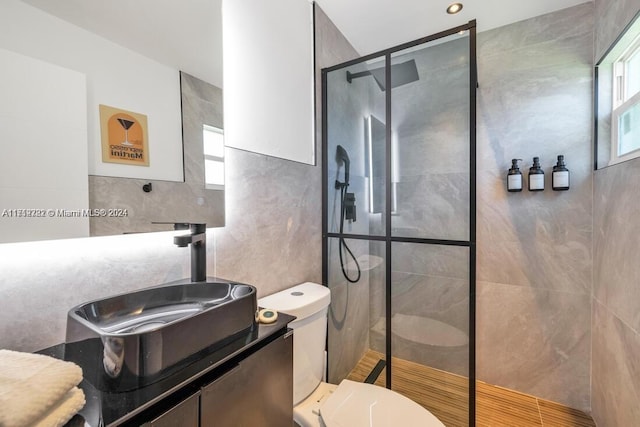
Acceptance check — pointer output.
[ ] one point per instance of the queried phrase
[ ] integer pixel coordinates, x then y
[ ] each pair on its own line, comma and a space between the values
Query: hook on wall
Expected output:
147, 188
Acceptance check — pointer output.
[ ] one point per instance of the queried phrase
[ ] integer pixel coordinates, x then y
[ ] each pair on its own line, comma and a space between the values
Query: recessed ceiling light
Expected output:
454, 8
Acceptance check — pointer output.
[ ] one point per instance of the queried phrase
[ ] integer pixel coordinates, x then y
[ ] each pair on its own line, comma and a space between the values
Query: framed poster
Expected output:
124, 136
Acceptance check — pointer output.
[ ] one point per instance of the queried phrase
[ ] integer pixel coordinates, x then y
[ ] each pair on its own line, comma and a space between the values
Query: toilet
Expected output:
349, 404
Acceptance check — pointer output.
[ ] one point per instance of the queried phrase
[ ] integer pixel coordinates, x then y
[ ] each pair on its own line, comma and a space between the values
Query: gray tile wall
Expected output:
616, 295
349, 314
430, 306
429, 283
611, 18
349, 311
534, 249
431, 121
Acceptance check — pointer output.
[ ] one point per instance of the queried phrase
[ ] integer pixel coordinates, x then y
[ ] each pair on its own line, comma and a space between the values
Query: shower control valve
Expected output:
350, 207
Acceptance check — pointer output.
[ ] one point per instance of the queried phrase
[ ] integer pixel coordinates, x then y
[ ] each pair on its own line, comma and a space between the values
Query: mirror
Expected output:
269, 77
617, 106
53, 182
375, 152
159, 205
375, 167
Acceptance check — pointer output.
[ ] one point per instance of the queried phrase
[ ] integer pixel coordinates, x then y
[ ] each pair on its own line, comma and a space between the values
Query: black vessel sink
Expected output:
131, 340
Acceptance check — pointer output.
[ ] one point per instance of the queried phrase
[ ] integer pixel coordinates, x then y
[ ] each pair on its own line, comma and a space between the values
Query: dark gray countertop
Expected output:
104, 408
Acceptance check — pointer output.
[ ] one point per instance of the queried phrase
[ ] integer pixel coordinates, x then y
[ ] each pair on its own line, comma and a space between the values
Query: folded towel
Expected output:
64, 410
31, 385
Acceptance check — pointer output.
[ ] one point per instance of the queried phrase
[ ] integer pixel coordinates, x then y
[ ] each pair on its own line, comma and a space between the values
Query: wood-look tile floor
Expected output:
446, 396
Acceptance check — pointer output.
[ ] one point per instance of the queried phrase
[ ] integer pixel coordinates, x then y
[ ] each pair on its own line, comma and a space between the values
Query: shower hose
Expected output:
342, 244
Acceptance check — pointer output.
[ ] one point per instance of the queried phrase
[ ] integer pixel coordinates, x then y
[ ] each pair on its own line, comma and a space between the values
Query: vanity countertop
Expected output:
105, 408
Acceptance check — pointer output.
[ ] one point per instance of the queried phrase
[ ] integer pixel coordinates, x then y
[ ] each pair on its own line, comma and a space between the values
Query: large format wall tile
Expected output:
272, 234
557, 25
616, 296
616, 227
615, 370
534, 256
612, 16
348, 327
535, 341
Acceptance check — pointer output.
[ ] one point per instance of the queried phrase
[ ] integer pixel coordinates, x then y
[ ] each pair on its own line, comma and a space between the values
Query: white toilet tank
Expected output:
309, 302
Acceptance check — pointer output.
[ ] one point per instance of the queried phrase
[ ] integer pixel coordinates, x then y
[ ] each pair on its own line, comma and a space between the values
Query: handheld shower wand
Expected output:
343, 158
347, 212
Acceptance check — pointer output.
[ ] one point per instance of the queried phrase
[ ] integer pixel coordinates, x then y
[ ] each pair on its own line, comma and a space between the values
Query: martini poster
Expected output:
123, 136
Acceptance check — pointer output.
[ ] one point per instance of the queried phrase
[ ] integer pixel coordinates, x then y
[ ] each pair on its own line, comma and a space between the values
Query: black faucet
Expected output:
198, 241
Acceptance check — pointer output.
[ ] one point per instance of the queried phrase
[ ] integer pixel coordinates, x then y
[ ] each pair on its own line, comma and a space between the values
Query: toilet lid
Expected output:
355, 404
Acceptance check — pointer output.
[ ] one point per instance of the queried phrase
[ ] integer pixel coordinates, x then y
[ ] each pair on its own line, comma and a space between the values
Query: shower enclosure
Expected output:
399, 223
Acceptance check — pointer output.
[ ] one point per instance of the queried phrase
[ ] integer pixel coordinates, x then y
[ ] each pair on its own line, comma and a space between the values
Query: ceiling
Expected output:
187, 34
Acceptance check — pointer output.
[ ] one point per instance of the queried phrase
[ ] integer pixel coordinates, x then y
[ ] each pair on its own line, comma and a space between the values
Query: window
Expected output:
625, 116
213, 142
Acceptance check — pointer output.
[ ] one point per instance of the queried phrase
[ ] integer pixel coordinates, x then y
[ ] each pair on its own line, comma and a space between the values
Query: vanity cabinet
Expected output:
247, 382
256, 390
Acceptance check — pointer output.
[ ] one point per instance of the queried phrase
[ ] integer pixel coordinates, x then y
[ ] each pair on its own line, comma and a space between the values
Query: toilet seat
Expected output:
354, 404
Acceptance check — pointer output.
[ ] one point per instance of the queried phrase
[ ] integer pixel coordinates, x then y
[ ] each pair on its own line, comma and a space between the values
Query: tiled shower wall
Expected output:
616, 294
534, 249
349, 311
430, 283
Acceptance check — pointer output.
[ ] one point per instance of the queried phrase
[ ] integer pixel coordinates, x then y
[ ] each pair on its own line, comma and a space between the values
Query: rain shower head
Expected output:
401, 74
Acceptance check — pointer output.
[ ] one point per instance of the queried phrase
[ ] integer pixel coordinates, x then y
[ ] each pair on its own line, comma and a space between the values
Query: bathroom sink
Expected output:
134, 339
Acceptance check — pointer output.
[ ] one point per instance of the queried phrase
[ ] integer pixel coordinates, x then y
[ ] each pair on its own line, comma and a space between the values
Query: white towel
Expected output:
64, 410
31, 385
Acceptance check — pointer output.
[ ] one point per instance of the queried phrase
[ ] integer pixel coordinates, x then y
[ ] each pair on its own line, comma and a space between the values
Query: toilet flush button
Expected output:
267, 316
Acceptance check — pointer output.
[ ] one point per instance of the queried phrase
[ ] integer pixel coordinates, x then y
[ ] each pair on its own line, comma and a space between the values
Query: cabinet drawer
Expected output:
184, 414
256, 392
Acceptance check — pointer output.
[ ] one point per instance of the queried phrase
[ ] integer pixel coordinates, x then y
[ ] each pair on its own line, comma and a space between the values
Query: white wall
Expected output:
43, 135
268, 77
116, 77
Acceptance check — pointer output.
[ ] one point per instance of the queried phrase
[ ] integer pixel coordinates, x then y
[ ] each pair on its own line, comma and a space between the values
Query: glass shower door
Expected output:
399, 221
354, 264
431, 227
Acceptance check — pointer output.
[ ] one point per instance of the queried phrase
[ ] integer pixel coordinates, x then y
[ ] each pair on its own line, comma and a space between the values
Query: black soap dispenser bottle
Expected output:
514, 178
560, 176
536, 176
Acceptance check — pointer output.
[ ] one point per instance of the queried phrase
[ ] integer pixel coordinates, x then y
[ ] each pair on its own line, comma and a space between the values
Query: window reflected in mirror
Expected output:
213, 139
